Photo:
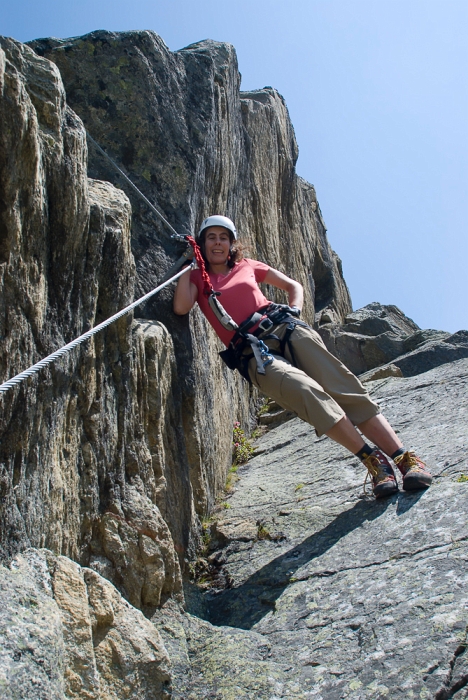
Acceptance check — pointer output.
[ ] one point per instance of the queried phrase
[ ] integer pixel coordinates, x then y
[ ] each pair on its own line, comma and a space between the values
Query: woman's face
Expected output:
217, 245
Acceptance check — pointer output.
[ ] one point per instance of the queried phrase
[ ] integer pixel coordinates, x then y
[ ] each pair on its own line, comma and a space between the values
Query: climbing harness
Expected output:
236, 356
261, 352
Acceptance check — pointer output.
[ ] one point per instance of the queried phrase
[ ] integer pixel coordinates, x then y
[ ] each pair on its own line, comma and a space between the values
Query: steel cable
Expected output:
174, 233
74, 343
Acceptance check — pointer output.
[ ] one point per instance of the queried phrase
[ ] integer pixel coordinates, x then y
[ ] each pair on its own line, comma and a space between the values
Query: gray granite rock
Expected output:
97, 438
220, 663
320, 592
32, 647
362, 598
376, 318
66, 633
196, 145
377, 335
433, 353
424, 350
382, 372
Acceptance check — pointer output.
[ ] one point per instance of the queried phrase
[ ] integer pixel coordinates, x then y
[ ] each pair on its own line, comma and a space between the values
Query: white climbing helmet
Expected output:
218, 220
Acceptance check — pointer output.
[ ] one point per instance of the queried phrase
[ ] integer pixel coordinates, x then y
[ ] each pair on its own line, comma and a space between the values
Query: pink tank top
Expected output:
240, 293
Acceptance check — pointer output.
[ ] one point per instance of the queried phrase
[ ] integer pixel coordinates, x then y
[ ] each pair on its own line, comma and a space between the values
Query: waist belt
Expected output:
265, 319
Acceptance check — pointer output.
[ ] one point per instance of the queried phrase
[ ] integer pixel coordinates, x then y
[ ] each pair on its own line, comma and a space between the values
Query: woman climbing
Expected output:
286, 359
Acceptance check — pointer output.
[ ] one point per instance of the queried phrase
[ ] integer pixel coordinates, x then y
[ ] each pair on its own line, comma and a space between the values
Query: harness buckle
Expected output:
265, 324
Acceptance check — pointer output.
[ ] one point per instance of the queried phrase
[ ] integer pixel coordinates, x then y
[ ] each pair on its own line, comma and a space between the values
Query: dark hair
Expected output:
236, 251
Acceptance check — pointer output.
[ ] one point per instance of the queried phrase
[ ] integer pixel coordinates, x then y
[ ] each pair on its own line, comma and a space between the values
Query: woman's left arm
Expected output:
294, 289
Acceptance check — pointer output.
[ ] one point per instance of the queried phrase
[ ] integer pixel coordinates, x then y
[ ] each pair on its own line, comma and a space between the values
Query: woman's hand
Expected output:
185, 295
293, 288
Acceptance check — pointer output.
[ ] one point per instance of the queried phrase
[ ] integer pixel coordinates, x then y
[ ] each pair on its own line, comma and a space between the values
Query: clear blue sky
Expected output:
378, 95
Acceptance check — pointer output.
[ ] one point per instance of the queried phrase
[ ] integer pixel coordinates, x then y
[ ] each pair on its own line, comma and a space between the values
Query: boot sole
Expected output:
416, 482
385, 490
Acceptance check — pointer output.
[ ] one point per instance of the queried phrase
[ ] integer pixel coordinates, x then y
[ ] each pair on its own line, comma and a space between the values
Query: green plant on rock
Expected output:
262, 532
242, 448
264, 408
231, 478
463, 478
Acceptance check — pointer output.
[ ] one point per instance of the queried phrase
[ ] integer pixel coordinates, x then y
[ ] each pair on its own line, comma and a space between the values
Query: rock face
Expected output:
330, 594
67, 632
195, 145
382, 336
117, 439
107, 457
92, 449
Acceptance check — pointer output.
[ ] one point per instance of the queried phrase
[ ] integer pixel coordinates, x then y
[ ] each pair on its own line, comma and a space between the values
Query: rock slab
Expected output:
356, 598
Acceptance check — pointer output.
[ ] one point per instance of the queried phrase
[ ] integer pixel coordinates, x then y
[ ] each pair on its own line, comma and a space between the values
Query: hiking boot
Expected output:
415, 473
383, 478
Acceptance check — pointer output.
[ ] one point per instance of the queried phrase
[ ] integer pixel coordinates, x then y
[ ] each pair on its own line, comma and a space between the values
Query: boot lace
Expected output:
376, 470
409, 462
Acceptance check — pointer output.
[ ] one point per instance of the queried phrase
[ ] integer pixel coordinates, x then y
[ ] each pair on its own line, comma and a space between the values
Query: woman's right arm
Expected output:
185, 295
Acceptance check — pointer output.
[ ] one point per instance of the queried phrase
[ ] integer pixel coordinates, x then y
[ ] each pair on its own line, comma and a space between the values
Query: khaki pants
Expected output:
320, 389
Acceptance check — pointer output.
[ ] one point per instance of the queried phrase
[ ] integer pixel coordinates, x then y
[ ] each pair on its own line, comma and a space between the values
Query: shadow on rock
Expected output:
405, 501
245, 605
